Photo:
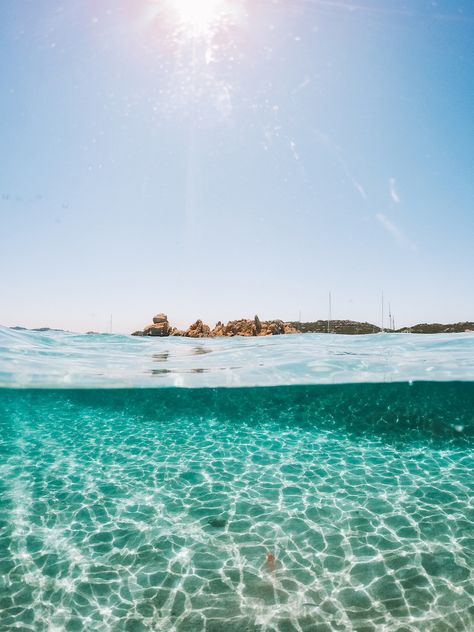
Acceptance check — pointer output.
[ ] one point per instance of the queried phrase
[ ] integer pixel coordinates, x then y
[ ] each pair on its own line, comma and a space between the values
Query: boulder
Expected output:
276, 327
198, 330
218, 330
242, 327
177, 332
159, 329
258, 325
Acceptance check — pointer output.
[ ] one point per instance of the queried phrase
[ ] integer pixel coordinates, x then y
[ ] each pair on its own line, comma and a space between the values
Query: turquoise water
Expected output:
64, 360
157, 508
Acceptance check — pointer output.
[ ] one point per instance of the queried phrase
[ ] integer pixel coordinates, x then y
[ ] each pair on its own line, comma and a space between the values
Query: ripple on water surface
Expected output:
295, 508
61, 359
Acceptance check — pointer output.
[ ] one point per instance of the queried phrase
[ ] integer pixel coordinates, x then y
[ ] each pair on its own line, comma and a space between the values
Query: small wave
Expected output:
55, 359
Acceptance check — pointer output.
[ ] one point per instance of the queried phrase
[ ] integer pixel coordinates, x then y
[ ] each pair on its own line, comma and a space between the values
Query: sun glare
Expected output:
198, 17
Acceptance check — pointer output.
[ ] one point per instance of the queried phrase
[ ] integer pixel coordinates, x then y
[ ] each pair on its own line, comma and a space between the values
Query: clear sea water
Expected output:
299, 483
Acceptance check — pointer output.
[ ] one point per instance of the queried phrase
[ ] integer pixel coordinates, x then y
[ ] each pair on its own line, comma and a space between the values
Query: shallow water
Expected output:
156, 509
65, 360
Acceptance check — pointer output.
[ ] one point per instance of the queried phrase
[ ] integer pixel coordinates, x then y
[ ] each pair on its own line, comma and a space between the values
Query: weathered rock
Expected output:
160, 318
258, 325
218, 329
276, 327
177, 332
160, 329
242, 327
198, 330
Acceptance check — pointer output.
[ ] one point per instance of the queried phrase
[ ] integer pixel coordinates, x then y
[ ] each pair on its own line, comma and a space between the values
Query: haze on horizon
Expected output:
248, 158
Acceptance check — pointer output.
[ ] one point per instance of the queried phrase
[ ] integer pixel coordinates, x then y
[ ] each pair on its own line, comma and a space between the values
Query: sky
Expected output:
244, 157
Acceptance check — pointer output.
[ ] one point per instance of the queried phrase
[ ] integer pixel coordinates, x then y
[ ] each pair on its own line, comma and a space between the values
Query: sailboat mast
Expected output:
329, 313
382, 312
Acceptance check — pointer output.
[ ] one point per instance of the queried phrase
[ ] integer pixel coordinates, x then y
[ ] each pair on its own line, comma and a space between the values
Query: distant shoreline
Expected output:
245, 327
161, 328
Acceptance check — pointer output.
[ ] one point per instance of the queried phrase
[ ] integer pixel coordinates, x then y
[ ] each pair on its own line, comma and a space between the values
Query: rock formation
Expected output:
198, 330
255, 327
242, 327
177, 332
160, 327
160, 319
218, 329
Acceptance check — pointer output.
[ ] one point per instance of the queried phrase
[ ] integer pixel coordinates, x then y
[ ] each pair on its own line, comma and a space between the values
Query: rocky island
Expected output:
160, 327
243, 327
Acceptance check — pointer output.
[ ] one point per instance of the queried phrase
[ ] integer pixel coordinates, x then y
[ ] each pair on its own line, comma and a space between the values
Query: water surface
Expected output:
156, 508
61, 359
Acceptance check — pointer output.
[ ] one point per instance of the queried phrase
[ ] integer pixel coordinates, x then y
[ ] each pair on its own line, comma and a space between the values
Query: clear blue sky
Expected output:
248, 164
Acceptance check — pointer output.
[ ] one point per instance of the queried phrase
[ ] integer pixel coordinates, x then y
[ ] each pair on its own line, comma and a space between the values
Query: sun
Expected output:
198, 17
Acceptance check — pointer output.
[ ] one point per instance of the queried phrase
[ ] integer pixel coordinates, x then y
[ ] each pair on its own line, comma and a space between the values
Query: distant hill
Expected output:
336, 327
438, 328
347, 327
354, 327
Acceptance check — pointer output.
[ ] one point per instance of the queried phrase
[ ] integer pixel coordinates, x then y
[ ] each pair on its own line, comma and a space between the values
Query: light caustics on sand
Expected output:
265, 510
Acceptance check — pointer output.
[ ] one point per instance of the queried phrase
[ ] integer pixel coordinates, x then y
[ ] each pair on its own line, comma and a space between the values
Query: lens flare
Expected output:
198, 17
